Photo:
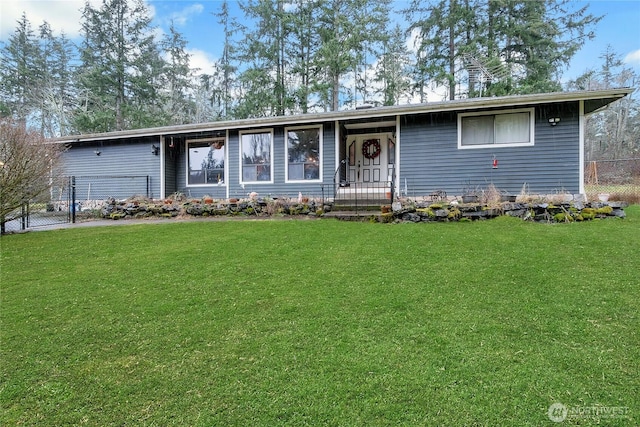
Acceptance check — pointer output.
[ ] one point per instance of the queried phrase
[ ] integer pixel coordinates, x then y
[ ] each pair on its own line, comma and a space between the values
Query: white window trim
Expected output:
532, 123
241, 170
286, 154
198, 141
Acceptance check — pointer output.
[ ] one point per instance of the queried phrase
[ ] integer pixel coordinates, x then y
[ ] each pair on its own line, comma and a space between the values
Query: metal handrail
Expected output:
360, 192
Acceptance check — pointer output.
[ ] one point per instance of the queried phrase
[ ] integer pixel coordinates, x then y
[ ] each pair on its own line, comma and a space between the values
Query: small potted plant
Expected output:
469, 195
469, 198
507, 197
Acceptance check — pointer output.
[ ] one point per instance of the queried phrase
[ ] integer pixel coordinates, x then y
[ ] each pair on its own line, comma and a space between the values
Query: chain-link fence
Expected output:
48, 209
75, 198
90, 193
613, 180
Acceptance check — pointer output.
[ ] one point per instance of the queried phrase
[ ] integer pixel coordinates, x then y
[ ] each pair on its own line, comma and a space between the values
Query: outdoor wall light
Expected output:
554, 121
97, 152
155, 150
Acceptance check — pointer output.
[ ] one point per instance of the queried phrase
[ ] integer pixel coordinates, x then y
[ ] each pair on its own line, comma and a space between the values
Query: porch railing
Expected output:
352, 195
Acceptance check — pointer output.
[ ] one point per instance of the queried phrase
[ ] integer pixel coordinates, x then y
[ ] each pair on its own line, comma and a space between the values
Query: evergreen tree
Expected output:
444, 36
204, 99
55, 93
263, 84
392, 69
535, 41
225, 67
336, 55
62, 89
37, 85
177, 78
120, 68
504, 46
302, 50
369, 32
19, 71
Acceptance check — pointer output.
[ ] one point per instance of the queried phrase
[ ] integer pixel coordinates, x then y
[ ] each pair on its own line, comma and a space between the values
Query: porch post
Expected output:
336, 164
162, 172
581, 124
336, 156
227, 161
396, 178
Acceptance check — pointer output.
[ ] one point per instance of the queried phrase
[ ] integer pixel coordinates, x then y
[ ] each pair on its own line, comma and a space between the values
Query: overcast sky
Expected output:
194, 19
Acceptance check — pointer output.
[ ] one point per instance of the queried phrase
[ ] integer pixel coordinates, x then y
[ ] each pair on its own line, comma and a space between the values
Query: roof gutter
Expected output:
374, 112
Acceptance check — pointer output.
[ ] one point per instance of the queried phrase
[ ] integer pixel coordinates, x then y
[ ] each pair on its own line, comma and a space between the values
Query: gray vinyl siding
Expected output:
120, 171
279, 187
430, 159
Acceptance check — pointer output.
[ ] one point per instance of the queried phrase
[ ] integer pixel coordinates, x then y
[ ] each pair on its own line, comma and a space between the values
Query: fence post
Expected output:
148, 186
23, 216
73, 199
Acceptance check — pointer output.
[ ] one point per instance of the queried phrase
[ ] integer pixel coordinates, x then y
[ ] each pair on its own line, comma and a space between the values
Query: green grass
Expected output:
320, 323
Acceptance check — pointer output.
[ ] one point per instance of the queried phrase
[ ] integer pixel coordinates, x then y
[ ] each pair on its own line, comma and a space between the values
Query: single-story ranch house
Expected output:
535, 141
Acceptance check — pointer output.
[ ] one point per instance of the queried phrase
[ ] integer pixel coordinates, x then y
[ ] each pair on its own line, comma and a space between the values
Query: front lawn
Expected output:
284, 322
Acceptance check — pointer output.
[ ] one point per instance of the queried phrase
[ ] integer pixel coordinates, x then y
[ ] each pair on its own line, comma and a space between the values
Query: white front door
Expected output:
371, 157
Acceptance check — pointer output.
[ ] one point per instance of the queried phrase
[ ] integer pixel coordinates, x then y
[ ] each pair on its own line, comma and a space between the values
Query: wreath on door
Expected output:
371, 148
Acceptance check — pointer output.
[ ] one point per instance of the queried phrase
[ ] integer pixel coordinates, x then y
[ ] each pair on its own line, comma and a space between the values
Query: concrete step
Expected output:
352, 215
348, 207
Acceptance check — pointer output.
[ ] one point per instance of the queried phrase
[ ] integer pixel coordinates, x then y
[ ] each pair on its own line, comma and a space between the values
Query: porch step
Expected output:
356, 208
353, 209
347, 205
353, 215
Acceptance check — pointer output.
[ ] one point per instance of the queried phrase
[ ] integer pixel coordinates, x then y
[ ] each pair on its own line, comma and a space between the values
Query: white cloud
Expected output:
62, 15
633, 58
185, 15
201, 60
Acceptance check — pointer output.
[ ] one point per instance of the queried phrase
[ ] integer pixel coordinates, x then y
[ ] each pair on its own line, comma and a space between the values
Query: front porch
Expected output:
358, 196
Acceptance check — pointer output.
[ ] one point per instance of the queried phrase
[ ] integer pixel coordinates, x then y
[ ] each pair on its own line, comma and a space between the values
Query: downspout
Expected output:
581, 124
162, 171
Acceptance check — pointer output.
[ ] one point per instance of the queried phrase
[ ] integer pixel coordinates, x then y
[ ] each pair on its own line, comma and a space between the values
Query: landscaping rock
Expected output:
441, 213
411, 212
411, 217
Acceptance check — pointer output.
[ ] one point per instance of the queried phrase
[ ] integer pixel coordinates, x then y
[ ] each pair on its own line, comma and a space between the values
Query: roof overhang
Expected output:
593, 100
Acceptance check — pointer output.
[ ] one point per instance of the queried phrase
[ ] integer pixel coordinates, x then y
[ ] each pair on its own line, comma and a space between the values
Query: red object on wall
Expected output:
495, 163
